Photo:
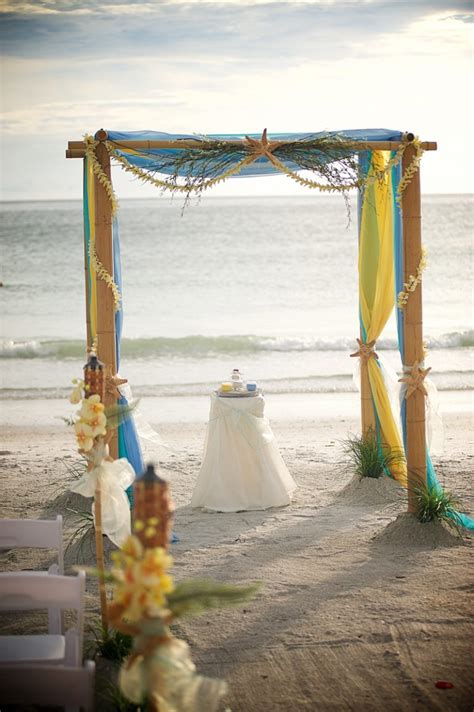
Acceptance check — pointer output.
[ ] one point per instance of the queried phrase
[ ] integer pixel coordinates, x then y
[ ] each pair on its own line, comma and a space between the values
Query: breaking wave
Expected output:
212, 345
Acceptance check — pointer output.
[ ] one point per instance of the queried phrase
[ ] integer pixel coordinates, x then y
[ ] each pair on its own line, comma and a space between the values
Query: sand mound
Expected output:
406, 530
371, 490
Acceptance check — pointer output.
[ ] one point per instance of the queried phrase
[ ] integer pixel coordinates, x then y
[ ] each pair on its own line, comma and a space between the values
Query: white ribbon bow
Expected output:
114, 478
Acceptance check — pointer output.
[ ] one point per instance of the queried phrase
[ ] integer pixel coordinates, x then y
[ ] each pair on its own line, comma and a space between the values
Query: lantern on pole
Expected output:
153, 509
94, 377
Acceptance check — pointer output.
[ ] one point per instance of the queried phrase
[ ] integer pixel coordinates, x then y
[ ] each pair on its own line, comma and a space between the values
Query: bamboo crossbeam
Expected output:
76, 149
75, 153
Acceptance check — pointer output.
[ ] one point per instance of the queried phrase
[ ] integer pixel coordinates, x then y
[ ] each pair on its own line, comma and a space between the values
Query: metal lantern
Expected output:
153, 509
94, 377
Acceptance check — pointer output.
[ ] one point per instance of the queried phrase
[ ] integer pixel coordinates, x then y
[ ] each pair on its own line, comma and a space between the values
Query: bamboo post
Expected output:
366, 402
105, 299
86, 283
100, 559
413, 333
94, 384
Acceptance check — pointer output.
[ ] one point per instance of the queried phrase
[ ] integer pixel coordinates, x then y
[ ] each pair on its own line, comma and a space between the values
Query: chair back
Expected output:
26, 591
50, 685
35, 534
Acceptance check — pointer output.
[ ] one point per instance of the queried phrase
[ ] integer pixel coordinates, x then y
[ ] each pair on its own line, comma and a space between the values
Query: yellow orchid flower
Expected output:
76, 396
132, 547
98, 424
141, 581
84, 436
91, 407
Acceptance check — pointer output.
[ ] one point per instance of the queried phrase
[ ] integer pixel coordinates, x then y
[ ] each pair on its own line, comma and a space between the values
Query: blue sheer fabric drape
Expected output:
128, 442
149, 159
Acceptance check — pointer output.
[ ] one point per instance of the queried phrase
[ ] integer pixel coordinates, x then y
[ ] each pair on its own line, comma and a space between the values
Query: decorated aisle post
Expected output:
415, 445
105, 296
94, 385
147, 600
106, 480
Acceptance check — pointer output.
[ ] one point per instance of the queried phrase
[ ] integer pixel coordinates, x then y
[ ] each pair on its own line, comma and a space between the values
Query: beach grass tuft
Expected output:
109, 643
437, 505
61, 498
82, 541
110, 696
363, 455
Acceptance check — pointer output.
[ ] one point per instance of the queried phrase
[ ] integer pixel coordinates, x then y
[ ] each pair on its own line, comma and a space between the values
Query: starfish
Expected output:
365, 351
261, 147
112, 382
414, 379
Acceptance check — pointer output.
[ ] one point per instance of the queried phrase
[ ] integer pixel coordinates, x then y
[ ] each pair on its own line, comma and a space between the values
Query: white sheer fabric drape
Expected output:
242, 467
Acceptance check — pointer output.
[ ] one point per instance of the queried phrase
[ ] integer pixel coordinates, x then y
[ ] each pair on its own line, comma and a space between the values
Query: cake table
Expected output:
242, 468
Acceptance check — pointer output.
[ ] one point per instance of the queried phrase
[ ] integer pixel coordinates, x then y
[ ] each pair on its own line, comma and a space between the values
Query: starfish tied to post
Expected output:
366, 351
414, 379
112, 382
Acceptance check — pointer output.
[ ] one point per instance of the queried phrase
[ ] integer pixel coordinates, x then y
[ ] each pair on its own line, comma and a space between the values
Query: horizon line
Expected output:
217, 197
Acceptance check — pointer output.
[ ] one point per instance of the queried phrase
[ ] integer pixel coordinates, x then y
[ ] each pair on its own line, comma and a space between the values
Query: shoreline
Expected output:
156, 410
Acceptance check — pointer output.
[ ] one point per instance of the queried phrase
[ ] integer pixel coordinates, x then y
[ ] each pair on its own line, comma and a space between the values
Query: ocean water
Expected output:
267, 285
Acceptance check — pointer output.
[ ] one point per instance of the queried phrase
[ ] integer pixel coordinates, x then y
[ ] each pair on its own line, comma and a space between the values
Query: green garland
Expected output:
331, 158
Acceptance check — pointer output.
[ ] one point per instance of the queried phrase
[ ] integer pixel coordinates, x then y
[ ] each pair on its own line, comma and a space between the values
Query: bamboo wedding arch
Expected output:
245, 150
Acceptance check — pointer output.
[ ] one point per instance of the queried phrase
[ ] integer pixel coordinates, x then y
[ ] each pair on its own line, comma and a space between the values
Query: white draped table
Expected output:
242, 467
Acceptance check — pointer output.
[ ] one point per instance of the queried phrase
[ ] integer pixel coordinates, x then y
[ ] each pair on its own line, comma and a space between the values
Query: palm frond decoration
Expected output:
194, 597
117, 413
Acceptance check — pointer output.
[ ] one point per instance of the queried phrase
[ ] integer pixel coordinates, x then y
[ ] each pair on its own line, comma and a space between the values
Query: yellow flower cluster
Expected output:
169, 185
141, 579
90, 146
413, 281
91, 423
102, 273
411, 169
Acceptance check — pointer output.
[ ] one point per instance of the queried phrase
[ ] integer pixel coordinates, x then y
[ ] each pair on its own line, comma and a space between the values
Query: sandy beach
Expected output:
358, 610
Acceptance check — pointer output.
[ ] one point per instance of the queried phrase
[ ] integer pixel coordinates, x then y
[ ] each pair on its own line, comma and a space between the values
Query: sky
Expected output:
70, 67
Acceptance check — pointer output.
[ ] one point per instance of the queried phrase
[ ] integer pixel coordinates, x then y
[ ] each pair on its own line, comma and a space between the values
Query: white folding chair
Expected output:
28, 591
51, 685
34, 534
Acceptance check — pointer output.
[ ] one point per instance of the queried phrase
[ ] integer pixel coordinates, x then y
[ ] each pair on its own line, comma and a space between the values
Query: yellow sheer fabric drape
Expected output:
377, 291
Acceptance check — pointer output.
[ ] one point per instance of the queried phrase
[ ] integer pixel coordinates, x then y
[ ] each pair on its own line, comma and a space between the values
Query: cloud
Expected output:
138, 6
64, 117
248, 31
180, 66
462, 18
